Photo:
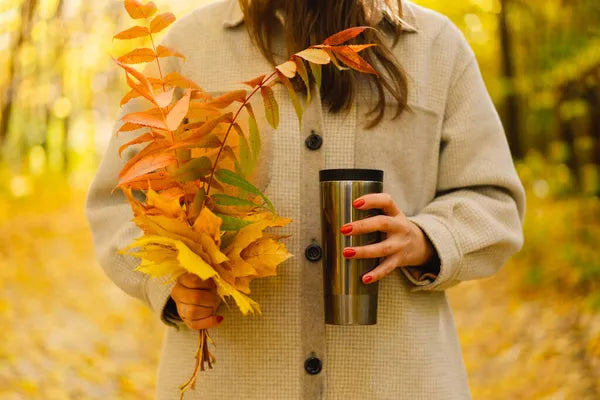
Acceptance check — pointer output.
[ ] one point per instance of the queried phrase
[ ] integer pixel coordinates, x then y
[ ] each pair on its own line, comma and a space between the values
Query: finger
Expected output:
383, 269
377, 200
193, 313
198, 297
204, 323
380, 249
383, 223
193, 281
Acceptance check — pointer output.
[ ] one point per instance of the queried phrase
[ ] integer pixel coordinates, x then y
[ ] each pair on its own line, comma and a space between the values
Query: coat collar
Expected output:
234, 15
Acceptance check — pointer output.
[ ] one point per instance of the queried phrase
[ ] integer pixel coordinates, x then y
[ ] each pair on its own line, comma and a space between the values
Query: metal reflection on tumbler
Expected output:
348, 301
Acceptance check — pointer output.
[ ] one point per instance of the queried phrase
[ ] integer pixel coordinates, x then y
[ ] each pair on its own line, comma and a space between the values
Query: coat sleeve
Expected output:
110, 216
475, 219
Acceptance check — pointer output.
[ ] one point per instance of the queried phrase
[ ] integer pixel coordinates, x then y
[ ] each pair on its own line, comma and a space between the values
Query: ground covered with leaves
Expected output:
530, 332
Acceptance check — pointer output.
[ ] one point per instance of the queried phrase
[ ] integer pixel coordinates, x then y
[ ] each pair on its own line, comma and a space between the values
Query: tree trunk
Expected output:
511, 101
27, 11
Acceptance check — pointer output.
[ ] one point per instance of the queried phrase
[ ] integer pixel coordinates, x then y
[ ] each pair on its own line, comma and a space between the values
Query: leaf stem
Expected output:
212, 172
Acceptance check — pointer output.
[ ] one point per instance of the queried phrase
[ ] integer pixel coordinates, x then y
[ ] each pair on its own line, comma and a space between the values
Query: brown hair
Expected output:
309, 22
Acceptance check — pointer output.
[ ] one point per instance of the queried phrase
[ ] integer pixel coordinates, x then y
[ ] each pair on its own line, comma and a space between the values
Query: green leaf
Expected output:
231, 178
246, 164
293, 97
255, 142
232, 223
316, 71
271, 106
301, 68
226, 200
194, 169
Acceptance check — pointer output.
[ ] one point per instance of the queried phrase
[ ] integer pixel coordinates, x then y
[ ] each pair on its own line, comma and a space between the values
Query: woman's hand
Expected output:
197, 301
404, 245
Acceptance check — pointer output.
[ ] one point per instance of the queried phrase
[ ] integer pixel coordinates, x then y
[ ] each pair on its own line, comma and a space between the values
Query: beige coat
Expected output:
446, 164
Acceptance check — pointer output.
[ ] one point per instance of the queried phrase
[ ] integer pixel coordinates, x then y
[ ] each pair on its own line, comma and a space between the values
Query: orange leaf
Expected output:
132, 33
344, 35
228, 98
194, 137
177, 80
128, 127
162, 51
140, 89
316, 56
146, 137
132, 94
161, 21
144, 119
136, 10
164, 99
255, 82
360, 47
271, 106
353, 60
178, 112
147, 164
138, 56
288, 69
136, 74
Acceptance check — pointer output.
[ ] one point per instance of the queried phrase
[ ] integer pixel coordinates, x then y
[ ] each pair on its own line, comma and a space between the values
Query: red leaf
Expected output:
360, 47
136, 10
255, 82
178, 112
161, 21
344, 35
132, 33
353, 60
138, 56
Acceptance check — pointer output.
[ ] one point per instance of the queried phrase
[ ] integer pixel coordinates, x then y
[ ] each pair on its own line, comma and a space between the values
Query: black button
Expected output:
313, 365
313, 141
313, 252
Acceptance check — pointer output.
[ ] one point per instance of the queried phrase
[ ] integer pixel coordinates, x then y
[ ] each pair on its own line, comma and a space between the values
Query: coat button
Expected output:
313, 141
313, 365
313, 252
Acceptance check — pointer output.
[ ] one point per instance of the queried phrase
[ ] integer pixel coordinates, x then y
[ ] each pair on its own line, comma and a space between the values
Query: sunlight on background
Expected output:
530, 332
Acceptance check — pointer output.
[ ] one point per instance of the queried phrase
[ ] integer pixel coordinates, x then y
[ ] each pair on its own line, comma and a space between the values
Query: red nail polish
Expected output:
346, 229
358, 203
367, 279
349, 253
219, 318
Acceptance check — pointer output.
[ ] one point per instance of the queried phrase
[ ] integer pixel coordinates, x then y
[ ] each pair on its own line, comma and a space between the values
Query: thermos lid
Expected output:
351, 174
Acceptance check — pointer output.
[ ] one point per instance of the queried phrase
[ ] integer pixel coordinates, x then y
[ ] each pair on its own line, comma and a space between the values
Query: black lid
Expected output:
351, 174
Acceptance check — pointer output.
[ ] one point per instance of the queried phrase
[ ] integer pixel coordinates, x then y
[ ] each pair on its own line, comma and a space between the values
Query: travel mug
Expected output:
348, 301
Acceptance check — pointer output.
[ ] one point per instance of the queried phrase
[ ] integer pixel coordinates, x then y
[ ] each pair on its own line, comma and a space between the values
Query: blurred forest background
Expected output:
530, 332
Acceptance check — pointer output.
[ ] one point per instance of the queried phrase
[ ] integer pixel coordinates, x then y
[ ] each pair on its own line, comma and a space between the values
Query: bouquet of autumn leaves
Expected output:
201, 213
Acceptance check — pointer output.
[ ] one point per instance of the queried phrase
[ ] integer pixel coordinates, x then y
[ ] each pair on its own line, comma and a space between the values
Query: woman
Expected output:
453, 203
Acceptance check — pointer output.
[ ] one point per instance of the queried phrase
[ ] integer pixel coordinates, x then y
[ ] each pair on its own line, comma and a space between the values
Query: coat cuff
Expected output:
158, 291
447, 250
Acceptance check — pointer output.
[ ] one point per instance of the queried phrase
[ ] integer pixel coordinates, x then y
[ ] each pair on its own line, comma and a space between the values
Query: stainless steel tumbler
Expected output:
348, 301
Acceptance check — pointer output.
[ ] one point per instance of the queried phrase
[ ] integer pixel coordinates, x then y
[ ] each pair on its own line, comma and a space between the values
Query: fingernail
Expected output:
349, 253
219, 318
346, 229
367, 278
358, 203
